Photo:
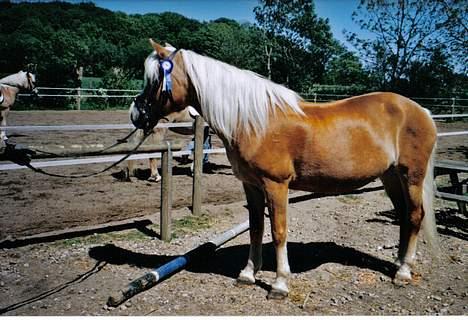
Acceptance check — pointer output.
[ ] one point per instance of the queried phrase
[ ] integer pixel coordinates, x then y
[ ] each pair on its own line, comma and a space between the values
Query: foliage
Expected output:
345, 68
416, 48
433, 77
405, 33
298, 42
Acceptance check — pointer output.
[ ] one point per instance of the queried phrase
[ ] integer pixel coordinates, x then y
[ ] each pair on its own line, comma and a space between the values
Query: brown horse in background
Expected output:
156, 138
275, 141
10, 86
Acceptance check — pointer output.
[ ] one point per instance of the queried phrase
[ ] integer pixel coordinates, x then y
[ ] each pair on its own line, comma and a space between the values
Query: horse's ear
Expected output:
160, 50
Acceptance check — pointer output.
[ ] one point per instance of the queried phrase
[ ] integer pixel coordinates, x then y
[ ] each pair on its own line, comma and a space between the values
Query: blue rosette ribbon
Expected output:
167, 66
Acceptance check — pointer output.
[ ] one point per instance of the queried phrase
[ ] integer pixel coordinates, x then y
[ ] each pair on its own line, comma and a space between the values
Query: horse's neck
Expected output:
14, 80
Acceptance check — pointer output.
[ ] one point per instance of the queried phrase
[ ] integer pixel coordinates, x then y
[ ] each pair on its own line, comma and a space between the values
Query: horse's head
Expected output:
165, 89
30, 83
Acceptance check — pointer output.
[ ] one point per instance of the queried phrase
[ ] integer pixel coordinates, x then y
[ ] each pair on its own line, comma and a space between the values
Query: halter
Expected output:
150, 116
30, 82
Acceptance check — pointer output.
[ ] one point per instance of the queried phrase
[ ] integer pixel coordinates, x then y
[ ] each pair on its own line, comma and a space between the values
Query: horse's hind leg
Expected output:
154, 176
256, 205
396, 192
410, 221
3, 123
414, 217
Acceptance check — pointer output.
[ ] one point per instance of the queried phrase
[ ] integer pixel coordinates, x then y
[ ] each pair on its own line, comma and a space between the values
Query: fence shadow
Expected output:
140, 225
317, 195
458, 149
449, 221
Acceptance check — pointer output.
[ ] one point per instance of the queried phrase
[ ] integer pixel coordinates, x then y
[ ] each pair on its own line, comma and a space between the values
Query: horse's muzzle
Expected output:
141, 117
35, 93
137, 116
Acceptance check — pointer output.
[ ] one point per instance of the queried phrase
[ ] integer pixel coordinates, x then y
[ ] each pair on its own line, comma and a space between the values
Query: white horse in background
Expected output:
10, 86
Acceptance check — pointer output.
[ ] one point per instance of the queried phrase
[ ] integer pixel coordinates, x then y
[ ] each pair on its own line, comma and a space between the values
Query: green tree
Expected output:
297, 42
345, 68
404, 31
433, 77
230, 42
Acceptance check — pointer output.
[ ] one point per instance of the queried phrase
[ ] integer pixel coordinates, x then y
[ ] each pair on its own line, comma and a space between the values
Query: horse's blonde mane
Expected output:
152, 68
234, 100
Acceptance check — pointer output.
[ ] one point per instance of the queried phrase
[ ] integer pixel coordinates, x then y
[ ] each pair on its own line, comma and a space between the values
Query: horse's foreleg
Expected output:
3, 116
256, 205
154, 170
277, 200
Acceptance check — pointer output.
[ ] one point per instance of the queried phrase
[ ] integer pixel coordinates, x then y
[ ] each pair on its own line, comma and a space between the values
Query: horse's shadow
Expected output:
230, 260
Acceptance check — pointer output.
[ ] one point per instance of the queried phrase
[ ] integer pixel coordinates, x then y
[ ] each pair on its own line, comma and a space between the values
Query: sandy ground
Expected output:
341, 249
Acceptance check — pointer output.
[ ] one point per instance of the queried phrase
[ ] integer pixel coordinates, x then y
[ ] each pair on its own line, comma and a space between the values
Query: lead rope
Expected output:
119, 141
22, 157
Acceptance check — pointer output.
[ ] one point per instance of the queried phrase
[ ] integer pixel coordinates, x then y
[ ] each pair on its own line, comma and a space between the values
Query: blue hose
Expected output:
151, 278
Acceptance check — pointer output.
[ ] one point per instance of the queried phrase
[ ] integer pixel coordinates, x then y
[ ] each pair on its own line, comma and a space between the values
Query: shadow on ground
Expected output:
230, 260
449, 221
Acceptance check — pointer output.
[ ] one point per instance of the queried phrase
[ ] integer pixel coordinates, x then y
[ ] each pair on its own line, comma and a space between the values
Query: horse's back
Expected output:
346, 143
383, 113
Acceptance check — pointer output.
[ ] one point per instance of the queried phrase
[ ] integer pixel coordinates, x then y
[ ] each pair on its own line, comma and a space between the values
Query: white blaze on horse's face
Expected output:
32, 82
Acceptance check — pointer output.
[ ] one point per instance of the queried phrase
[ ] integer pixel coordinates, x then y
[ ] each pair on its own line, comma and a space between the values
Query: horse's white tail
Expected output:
429, 222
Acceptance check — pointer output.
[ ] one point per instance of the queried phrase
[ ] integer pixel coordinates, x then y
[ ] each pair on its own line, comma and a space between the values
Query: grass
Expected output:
191, 224
349, 198
180, 227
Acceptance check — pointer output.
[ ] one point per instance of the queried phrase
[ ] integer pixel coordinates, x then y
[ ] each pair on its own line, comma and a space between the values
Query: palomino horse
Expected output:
9, 88
276, 141
157, 137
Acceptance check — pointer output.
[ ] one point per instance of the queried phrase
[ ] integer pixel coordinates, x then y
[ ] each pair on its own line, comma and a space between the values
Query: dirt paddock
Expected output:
341, 249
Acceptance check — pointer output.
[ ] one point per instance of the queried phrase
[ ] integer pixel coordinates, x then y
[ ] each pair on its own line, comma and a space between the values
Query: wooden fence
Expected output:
166, 152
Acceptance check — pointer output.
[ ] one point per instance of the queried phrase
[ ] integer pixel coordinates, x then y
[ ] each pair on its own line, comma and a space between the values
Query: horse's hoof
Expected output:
400, 283
404, 273
275, 294
154, 179
244, 281
403, 276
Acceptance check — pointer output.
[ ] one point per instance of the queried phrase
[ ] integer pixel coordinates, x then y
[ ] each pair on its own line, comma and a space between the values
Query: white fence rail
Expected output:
104, 159
448, 103
84, 127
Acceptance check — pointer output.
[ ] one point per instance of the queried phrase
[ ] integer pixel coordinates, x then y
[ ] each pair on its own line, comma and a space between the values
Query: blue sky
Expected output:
337, 11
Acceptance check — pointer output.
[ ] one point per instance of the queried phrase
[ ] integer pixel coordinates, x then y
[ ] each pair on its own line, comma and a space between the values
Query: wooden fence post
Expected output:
453, 107
79, 72
197, 166
166, 194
